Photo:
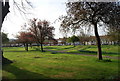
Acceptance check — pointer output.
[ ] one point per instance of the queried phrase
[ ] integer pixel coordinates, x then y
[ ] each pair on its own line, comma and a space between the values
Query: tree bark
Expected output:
98, 41
74, 44
4, 10
41, 47
31, 45
0, 31
26, 47
1, 53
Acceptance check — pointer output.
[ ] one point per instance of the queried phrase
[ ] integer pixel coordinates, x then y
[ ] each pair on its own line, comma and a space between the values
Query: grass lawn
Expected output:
109, 50
44, 65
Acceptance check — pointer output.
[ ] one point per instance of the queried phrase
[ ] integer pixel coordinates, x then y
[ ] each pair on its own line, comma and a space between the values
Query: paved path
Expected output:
112, 57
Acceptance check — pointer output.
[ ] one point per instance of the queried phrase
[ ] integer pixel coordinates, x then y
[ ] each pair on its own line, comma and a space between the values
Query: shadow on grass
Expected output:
6, 61
58, 48
54, 52
21, 73
15, 51
85, 51
38, 49
104, 60
68, 47
50, 48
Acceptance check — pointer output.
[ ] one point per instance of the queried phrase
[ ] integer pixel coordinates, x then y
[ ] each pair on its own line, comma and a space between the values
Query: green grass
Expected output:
44, 65
15, 49
109, 50
57, 48
105, 48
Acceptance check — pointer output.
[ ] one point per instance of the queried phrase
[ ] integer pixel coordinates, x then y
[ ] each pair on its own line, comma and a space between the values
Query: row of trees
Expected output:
38, 32
80, 14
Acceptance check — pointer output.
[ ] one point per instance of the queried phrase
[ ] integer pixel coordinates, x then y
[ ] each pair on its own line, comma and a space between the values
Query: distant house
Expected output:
12, 40
50, 42
104, 40
61, 41
11, 43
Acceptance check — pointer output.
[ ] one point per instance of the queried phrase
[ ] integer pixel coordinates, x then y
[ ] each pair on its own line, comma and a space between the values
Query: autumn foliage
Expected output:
25, 38
41, 31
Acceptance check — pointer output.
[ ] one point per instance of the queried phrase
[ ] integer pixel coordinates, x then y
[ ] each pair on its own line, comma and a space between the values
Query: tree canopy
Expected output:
41, 30
92, 15
73, 39
25, 38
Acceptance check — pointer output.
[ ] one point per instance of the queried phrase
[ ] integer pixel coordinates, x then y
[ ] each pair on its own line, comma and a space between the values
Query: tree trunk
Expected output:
26, 47
5, 10
74, 44
0, 32
41, 47
98, 42
31, 45
1, 53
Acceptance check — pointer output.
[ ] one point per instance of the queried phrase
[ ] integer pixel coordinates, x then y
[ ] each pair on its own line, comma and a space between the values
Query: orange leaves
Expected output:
26, 37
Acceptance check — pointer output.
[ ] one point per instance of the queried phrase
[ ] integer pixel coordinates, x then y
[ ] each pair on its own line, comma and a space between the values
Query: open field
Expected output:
45, 65
109, 50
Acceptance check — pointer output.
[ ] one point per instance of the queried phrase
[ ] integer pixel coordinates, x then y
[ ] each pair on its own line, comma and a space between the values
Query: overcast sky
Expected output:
43, 9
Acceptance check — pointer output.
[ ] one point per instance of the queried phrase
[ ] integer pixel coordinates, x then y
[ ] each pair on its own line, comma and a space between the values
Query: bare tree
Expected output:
64, 29
41, 30
93, 14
